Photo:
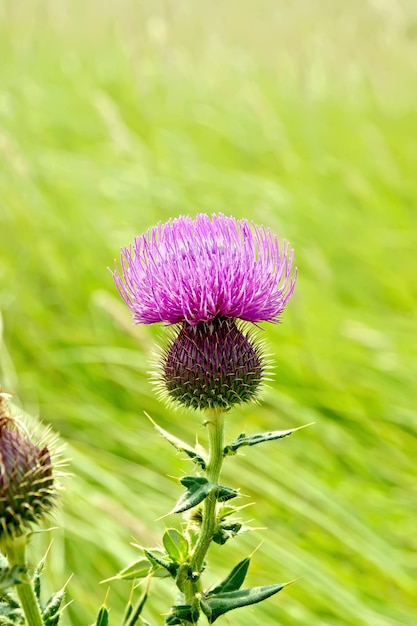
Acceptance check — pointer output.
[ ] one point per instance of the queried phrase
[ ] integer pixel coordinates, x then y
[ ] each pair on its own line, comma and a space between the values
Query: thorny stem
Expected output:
215, 427
16, 554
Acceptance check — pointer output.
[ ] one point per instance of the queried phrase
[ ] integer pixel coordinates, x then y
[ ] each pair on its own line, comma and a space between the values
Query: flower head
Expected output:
27, 487
212, 365
196, 270
205, 275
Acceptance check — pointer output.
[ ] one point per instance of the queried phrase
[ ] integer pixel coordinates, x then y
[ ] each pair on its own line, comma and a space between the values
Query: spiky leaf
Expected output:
226, 493
234, 580
10, 611
214, 606
51, 612
181, 446
252, 440
128, 612
9, 576
180, 614
36, 578
155, 558
11, 620
198, 488
134, 614
226, 532
226, 511
138, 569
8, 601
102, 617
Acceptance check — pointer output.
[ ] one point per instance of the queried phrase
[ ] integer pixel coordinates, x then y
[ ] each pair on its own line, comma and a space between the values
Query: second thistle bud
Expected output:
212, 365
27, 490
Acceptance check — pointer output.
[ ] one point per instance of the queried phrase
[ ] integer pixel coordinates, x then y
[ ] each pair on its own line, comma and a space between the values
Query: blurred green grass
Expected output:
300, 116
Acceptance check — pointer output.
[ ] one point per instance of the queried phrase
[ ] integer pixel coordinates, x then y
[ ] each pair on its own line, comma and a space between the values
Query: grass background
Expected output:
301, 116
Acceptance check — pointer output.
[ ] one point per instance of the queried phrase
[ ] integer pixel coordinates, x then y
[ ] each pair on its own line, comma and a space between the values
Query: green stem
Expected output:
16, 554
215, 426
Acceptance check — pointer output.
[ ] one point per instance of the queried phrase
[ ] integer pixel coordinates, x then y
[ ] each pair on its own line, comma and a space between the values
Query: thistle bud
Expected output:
212, 365
27, 490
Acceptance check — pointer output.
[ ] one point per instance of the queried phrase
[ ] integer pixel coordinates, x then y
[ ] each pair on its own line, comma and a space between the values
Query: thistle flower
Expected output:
195, 270
203, 276
27, 489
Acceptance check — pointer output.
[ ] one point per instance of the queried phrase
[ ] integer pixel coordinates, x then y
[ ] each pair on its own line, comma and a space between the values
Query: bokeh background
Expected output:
298, 115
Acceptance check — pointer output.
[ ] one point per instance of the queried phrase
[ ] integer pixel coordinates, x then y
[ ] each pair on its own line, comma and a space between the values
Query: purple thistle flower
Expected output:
204, 275
196, 270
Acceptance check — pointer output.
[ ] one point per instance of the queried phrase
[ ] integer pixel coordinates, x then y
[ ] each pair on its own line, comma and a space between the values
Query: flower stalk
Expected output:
15, 550
215, 426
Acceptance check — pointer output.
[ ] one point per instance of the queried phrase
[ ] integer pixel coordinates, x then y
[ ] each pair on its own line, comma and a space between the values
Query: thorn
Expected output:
66, 584
108, 580
106, 596
158, 519
150, 419
255, 550
304, 426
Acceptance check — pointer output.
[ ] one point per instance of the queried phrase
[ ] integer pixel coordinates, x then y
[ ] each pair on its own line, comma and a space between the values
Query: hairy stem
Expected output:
16, 554
215, 426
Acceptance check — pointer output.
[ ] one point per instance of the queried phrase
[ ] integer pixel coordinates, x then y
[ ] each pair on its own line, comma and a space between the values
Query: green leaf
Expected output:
9, 577
102, 617
157, 570
155, 559
214, 606
160, 572
7, 604
175, 544
225, 532
184, 574
225, 511
190, 481
138, 569
127, 613
198, 488
226, 493
180, 445
51, 612
182, 613
11, 621
134, 614
253, 440
36, 578
10, 611
234, 580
